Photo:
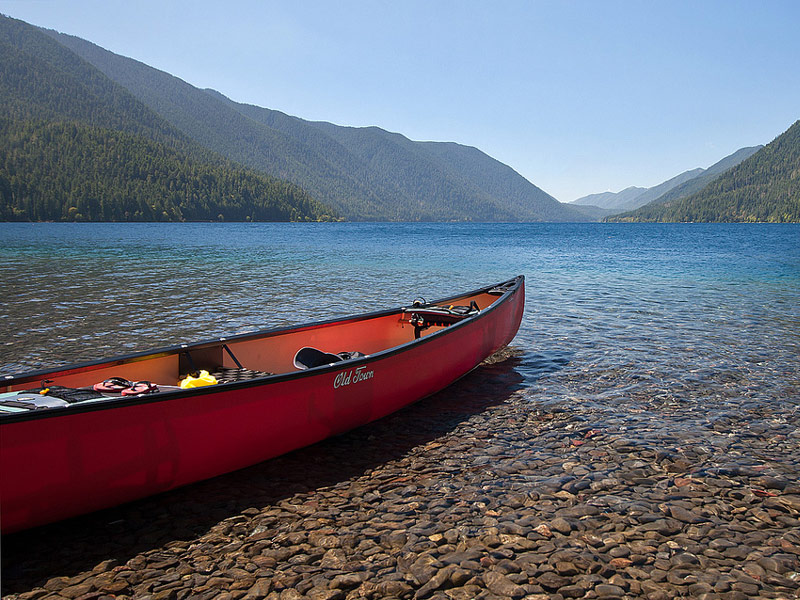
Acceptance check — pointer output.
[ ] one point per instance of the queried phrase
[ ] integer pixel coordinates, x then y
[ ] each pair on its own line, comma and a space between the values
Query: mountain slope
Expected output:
679, 186
67, 171
764, 187
634, 197
595, 213
77, 146
498, 180
200, 116
366, 173
698, 183
610, 199
654, 192
465, 183
39, 79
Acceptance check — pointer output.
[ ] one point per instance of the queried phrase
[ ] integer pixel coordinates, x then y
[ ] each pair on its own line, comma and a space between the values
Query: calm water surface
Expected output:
625, 321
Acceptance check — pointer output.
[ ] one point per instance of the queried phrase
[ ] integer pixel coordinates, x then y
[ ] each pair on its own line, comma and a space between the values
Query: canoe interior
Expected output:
269, 351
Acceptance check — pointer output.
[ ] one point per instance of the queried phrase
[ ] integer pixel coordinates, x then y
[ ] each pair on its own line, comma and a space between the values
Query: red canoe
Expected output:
66, 449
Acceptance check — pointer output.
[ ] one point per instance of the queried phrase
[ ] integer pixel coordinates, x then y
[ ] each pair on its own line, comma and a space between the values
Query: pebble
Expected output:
478, 492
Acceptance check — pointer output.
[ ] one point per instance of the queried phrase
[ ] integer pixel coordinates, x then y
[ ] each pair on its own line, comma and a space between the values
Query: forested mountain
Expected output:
365, 173
612, 200
40, 79
765, 188
707, 176
53, 170
75, 145
595, 213
654, 192
634, 197
679, 186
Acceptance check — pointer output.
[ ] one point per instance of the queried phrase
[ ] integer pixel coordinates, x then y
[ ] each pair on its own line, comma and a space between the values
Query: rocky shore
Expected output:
479, 492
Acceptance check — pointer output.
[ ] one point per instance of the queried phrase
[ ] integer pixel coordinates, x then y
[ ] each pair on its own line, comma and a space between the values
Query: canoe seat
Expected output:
210, 359
308, 358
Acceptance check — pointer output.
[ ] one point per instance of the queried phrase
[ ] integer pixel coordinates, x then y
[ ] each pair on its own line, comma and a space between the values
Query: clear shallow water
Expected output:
685, 322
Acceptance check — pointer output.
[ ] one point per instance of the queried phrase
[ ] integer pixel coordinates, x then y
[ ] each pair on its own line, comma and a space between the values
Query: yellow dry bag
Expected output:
202, 378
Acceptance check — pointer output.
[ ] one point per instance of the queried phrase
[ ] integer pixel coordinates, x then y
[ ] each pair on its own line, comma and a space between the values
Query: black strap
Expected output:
228, 350
194, 370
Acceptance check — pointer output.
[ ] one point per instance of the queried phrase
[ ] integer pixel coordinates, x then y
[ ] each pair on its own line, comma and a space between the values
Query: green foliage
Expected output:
75, 146
60, 171
696, 184
40, 79
763, 188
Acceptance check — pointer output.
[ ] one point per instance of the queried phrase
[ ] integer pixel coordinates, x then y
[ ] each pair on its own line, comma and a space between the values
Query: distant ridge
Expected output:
365, 173
698, 183
656, 191
679, 186
611, 200
763, 188
595, 213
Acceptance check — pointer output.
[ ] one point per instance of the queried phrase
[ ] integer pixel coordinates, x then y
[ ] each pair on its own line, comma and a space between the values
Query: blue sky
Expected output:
577, 96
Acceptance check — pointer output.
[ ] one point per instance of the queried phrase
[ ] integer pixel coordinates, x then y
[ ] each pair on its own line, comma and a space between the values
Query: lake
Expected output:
620, 318
651, 397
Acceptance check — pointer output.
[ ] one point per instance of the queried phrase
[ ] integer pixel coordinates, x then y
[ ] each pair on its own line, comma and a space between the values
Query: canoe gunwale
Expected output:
510, 287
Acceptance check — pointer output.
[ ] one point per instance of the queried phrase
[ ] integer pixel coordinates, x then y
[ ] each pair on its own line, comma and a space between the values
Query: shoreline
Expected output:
477, 492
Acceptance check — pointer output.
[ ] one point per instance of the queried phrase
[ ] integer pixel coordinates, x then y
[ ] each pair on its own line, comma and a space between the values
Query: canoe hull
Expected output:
58, 467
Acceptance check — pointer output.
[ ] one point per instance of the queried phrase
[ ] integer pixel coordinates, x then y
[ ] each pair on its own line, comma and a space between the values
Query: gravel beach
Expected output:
485, 490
